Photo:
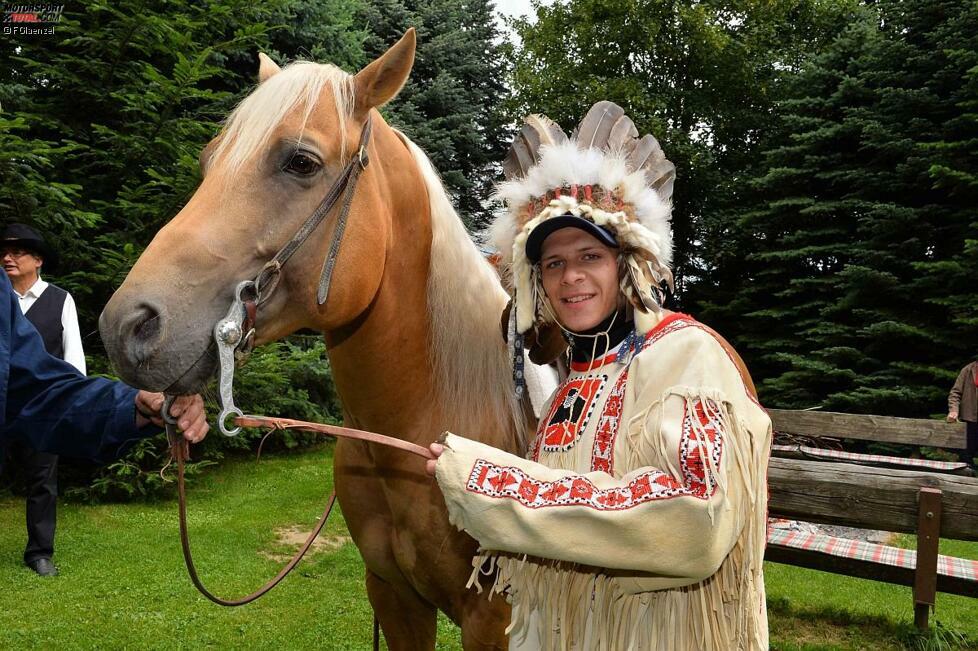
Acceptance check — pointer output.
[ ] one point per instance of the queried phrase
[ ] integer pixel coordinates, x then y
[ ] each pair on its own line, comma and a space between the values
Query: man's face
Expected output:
20, 263
580, 277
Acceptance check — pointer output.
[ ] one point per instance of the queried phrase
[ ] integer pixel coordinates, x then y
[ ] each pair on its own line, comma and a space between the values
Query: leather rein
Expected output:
235, 336
180, 451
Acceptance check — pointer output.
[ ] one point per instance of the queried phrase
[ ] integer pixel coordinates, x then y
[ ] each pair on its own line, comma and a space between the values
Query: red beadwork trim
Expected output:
507, 482
602, 454
690, 459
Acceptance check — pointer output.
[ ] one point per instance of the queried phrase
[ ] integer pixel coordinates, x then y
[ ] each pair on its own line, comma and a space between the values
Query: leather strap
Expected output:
180, 451
344, 186
269, 422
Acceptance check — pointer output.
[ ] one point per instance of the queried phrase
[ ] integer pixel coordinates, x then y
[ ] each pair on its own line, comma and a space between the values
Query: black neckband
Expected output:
583, 347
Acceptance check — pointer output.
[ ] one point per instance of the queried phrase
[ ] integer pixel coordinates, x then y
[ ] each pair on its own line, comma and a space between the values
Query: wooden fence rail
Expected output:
867, 497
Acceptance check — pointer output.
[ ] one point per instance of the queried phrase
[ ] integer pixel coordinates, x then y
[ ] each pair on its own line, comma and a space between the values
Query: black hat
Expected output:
27, 238
534, 243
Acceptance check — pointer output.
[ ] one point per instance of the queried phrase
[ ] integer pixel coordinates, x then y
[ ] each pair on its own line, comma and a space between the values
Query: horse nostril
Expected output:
147, 325
146, 332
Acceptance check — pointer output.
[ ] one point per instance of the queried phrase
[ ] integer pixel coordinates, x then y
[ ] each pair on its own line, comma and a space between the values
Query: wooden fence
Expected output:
873, 492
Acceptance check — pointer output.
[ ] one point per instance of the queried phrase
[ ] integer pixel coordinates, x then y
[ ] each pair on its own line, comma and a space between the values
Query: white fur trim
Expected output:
566, 164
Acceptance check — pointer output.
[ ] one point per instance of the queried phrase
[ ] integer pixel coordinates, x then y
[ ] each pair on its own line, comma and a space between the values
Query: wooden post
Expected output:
928, 537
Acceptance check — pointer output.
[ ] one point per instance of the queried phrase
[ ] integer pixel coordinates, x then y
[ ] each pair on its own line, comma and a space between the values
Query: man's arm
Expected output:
954, 398
54, 409
71, 341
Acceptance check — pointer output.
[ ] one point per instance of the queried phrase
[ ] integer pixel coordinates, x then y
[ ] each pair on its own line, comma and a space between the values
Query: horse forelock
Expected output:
297, 87
465, 301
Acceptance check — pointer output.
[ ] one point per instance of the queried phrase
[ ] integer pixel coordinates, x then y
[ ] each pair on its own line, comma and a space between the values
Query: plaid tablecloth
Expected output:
865, 551
871, 459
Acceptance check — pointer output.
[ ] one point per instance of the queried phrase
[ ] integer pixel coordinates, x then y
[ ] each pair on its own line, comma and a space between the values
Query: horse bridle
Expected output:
234, 336
235, 333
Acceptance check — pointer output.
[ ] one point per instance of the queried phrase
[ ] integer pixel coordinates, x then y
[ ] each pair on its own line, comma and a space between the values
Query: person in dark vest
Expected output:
52, 311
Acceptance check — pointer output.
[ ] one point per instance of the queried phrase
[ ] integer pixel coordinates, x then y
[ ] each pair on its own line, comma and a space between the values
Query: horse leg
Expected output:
408, 622
484, 622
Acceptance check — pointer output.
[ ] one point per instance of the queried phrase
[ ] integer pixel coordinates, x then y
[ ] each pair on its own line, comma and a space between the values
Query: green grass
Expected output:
817, 611
123, 583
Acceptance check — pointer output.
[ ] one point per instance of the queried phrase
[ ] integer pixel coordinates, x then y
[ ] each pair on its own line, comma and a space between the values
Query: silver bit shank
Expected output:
227, 336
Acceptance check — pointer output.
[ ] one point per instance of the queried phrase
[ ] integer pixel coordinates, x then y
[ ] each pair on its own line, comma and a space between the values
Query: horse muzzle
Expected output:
151, 349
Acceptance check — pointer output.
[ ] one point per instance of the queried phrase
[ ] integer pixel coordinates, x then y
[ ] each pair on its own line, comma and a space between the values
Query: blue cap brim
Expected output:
534, 243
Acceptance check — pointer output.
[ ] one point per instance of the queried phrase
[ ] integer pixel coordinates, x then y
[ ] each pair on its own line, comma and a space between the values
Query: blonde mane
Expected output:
465, 303
300, 84
473, 375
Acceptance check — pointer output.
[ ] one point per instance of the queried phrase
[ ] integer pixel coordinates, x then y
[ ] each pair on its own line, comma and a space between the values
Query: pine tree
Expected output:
863, 216
450, 104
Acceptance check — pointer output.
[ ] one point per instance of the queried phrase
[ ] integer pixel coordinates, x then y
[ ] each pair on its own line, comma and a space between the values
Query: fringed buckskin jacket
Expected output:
639, 519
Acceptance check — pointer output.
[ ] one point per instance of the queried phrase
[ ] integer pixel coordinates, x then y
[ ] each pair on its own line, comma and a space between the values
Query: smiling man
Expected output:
637, 519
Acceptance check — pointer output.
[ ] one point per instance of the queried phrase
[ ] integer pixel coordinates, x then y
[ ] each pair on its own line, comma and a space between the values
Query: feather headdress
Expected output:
604, 173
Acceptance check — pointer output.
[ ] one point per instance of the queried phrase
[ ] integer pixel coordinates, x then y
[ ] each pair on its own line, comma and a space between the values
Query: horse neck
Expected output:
385, 375
385, 367
380, 362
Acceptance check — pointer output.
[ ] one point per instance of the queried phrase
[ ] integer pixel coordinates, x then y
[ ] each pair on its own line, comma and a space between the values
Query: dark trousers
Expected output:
40, 472
971, 445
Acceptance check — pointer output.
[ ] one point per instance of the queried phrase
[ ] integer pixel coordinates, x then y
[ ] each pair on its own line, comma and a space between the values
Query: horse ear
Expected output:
266, 67
380, 81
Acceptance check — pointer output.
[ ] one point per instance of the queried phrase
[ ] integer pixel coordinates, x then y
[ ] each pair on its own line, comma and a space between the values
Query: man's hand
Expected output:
188, 410
952, 416
436, 450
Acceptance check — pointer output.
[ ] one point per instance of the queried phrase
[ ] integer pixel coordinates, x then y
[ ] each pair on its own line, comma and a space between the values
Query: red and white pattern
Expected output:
508, 482
871, 459
603, 454
570, 412
690, 451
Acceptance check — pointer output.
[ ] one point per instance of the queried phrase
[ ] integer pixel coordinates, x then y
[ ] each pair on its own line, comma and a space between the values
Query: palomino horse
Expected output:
411, 320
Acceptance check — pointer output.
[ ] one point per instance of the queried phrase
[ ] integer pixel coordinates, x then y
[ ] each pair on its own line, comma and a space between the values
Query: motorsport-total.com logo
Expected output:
31, 19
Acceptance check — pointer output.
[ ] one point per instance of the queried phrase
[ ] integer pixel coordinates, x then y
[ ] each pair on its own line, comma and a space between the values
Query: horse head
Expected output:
267, 171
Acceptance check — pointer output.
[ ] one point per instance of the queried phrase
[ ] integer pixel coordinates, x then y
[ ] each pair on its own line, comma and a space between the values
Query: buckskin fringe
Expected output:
726, 612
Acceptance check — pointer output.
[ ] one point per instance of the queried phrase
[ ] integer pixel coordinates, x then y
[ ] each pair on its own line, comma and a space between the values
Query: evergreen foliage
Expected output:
859, 290
100, 131
450, 105
701, 77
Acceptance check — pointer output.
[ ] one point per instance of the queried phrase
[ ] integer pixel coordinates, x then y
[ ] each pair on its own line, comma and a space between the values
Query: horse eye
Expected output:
302, 164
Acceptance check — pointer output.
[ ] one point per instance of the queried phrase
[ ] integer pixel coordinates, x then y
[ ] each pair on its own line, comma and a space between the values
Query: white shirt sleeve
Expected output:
71, 335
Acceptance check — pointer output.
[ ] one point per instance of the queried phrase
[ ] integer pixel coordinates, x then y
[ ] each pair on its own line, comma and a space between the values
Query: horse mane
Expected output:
300, 84
473, 375
465, 303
